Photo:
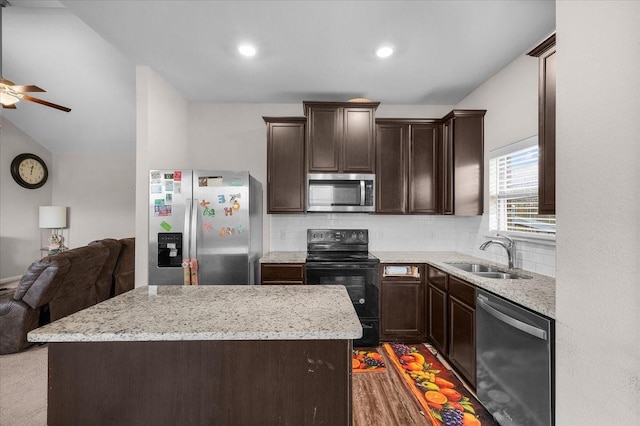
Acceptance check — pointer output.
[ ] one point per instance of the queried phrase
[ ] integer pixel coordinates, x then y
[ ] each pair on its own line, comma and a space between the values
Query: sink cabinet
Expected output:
437, 287
282, 273
285, 164
407, 158
451, 320
462, 328
340, 137
403, 306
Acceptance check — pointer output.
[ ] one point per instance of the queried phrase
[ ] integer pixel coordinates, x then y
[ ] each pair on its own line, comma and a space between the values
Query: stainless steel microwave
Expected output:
341, 192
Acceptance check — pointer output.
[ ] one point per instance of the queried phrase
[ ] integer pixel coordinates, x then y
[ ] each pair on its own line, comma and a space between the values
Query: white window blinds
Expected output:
513, 194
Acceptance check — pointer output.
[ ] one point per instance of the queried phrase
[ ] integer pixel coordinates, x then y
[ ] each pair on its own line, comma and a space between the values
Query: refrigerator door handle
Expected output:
185, 235
193, 252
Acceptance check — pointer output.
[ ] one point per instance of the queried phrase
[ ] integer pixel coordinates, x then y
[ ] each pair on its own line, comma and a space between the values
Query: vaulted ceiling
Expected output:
84, 54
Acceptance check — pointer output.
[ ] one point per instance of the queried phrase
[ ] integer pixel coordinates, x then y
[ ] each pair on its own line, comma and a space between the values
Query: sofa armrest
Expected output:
42, 280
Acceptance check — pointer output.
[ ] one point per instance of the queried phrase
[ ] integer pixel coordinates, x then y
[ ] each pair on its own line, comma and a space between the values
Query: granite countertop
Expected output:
537, 293
284, 257
220, 312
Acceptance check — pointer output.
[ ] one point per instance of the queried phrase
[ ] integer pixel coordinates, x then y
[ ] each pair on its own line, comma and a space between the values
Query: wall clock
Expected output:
29, 171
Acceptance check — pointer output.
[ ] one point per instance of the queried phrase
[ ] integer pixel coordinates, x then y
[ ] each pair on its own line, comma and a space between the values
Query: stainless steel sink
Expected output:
487, 271
500, 275
475, 267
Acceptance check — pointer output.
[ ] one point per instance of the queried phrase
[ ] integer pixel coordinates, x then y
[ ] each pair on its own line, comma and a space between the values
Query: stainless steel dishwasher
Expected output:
515, 359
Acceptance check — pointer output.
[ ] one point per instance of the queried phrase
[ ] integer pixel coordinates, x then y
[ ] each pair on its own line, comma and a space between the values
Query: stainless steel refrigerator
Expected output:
205, 227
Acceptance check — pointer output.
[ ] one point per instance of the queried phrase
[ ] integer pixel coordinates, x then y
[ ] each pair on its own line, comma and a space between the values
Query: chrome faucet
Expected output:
509, 246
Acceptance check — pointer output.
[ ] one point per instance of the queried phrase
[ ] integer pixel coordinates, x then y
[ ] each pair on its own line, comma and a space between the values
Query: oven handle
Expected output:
483, 302
334, 266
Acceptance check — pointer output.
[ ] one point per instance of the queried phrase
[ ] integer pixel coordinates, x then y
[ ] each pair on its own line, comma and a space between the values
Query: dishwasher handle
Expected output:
483, 302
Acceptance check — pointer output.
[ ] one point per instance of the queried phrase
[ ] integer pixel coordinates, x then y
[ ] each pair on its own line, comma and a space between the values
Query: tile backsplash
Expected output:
414, 233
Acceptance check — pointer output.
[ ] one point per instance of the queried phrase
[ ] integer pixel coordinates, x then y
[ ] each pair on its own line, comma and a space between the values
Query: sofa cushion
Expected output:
124, 272
42, 280
104, 283
78, 290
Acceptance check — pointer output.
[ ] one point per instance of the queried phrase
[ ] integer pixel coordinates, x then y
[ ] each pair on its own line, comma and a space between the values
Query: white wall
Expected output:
598, 212
99, 190
20, 237
161, 143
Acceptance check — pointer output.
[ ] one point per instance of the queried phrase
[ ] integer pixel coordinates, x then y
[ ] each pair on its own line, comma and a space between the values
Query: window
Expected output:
513, 191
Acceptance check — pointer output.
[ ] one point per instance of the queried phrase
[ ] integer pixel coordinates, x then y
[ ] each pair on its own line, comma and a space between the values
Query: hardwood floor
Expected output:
381, 399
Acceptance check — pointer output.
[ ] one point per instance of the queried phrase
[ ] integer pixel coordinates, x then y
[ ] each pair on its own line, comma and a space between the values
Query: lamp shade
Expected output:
53, 217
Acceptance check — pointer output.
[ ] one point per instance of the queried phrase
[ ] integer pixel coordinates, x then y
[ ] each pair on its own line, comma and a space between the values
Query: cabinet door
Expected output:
423, 169
468, 165
281, 273
391, 182
285, 167
463, 163
402, 311
547, 134
437, 317
447, 167
324, 138
358, 141
462, 338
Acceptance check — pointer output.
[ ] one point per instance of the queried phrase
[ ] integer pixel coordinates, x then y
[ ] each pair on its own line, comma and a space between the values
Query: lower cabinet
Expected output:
402, 304
451, 321
437, 287
462, 328
282, 273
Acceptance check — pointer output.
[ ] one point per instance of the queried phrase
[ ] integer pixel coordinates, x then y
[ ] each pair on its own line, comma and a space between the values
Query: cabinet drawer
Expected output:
282, 272
437, 278
462, 291
403, 272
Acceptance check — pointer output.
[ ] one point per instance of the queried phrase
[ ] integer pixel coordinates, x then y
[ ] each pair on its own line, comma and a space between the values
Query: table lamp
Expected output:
54, 218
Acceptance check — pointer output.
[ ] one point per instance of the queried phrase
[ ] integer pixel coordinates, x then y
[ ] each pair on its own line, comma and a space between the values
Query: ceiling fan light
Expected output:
7, 99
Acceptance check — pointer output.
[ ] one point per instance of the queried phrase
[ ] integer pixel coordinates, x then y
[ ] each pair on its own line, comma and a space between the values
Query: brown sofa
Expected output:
64, 283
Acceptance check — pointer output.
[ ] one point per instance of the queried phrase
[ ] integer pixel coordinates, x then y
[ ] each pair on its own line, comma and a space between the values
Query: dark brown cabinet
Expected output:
546, 52
451, 321
407, 160
437, 285
282, 273
340, 137
285, 164
462, 332
462, 159
402, 305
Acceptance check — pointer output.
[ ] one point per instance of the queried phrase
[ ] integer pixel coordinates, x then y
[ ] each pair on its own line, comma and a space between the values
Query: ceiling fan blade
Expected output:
9, 106
27, 88
49, 104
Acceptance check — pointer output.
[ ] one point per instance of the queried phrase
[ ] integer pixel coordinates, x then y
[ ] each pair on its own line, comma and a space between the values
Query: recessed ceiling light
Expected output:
247, 50
384, 51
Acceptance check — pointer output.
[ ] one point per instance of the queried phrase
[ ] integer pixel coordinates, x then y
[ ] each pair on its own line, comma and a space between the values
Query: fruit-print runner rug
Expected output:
441, 395
367, 360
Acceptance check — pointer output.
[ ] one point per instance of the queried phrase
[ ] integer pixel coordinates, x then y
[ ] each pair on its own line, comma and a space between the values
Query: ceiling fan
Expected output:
11, 93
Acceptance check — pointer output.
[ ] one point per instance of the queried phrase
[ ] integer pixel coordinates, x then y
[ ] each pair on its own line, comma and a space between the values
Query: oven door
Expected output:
360, 280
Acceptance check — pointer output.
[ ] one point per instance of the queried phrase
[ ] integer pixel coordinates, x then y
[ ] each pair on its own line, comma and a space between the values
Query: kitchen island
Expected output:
223, 355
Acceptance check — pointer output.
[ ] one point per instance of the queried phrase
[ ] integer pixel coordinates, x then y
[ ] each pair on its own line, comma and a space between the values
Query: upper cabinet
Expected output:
340, 137
285, 164
407, 157
462, 159
546, 52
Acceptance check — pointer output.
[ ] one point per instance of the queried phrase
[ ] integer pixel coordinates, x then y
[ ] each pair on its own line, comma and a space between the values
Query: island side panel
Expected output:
297, 382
